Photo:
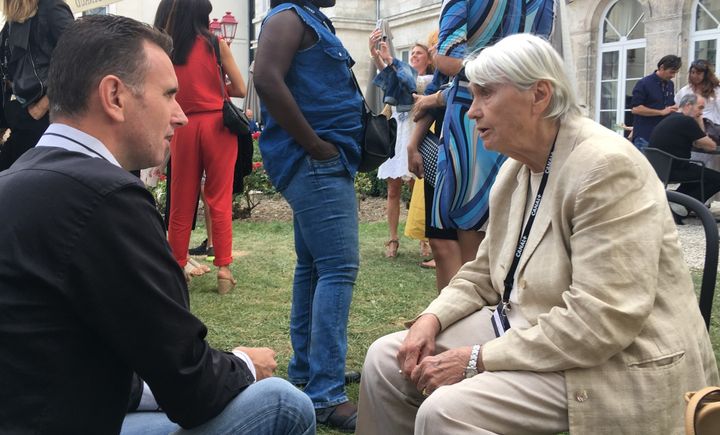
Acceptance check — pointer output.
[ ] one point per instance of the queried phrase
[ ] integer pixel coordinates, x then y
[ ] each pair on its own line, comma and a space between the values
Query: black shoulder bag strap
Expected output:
216, 48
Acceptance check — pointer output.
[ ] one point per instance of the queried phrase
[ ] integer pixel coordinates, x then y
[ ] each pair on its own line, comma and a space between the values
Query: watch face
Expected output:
469, 373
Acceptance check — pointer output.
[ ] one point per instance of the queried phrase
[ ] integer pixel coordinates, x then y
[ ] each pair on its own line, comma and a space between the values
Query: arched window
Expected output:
705, 31
621, 57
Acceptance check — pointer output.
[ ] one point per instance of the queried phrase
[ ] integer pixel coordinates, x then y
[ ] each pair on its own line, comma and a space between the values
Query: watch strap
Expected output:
472, 364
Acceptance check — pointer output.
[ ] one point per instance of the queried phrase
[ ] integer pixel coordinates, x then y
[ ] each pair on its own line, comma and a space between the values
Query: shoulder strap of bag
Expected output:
694, 400
216, 49
357, 85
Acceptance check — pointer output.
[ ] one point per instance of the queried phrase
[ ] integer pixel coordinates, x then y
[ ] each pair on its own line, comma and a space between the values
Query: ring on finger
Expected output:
425, 392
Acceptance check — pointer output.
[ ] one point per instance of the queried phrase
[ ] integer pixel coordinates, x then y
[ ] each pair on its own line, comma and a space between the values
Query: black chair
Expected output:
662, 162
707, 288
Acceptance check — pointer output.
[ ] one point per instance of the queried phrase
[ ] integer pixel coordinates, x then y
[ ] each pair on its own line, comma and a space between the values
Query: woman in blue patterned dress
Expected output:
466, 170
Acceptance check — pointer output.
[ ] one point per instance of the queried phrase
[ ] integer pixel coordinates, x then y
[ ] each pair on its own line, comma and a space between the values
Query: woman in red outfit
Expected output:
204, 144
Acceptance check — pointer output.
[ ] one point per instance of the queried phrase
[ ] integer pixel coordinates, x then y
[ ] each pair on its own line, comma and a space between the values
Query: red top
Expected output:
199, 80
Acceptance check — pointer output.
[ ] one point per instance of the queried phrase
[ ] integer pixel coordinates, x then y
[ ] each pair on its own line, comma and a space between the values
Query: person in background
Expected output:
254, 126
395, 170
465, 170
310, 144
593, 302
702, 81
90, 290
653, 99
32, 29
678, 134
429, 117
205, 144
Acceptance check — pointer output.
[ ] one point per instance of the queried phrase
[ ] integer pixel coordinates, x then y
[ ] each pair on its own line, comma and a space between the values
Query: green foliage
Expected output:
368, 184
159, 192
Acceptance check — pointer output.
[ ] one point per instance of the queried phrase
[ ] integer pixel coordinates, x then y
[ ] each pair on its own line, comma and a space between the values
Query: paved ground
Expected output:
692, 238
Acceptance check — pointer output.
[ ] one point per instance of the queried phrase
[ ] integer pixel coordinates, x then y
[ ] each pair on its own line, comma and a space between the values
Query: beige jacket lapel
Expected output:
514, 226
564, 144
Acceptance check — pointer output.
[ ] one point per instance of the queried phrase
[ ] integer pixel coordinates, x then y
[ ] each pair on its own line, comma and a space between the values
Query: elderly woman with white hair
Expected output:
578, 313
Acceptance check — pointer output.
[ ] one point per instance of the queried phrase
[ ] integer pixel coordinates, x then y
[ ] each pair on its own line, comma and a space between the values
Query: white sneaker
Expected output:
679, 210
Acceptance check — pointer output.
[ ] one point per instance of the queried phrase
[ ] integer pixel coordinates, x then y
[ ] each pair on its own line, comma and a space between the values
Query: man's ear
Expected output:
113, 95
542, 95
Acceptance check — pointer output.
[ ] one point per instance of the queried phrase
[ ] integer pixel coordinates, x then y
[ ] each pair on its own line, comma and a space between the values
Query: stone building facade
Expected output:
614, 42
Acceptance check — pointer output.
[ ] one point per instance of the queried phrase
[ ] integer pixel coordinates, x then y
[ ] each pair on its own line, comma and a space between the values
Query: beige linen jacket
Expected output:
602, 282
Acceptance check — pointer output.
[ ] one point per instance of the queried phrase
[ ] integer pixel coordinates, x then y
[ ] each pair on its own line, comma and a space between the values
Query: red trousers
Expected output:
204, 144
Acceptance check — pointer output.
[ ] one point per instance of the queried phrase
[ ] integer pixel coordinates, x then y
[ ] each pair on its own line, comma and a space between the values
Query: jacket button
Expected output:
523, 283
581, 396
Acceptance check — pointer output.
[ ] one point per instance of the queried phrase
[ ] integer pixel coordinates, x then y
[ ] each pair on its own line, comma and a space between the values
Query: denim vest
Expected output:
398, 82
320, 81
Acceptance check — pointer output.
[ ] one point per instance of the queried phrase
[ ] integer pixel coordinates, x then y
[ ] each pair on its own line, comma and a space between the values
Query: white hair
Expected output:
522, 60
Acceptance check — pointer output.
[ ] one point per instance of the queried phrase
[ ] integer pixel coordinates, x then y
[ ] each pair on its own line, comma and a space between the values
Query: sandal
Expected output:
193, 270
341, 417
429, 264
225, 285
391, 248
203, 267
425, 250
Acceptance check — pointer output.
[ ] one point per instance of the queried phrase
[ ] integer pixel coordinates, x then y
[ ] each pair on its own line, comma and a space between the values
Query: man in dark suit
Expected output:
90, 291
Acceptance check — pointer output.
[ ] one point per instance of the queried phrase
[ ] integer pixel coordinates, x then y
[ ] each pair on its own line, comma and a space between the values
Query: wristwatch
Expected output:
471, 369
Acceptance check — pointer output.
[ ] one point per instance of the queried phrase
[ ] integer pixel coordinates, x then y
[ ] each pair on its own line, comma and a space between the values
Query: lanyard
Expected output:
510, 278
79, 143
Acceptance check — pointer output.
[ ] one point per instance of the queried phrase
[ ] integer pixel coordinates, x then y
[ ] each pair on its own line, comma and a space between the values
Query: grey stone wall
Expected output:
667, 30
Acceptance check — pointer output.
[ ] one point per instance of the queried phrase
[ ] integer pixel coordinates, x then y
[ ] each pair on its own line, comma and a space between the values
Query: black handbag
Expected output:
429, 152
378, 140
233, 117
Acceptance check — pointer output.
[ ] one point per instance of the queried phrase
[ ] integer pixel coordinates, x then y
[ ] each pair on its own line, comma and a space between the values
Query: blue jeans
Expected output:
271, 406
322, 197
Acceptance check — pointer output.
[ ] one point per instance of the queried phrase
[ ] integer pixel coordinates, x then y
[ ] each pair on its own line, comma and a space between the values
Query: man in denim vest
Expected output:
310, 148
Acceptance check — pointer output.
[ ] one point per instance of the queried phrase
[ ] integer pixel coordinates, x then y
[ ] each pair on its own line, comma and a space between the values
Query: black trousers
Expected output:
690, 171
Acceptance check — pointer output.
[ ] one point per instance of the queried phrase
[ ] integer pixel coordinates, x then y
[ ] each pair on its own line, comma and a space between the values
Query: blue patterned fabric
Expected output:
465, 169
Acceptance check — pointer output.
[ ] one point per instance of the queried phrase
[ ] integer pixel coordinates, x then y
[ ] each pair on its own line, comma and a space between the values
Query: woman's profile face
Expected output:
696, 76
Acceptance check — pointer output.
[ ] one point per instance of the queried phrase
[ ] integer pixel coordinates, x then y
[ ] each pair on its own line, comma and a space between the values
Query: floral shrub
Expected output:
255, 186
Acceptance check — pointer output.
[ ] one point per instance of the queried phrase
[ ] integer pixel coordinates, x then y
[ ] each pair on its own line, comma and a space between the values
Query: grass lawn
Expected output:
256, 312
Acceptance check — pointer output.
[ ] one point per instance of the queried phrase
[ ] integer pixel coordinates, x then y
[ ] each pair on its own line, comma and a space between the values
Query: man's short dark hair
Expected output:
670, 62
92, 48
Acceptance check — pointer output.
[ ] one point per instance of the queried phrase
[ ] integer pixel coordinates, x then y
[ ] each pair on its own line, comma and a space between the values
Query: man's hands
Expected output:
263, 359
668, 110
